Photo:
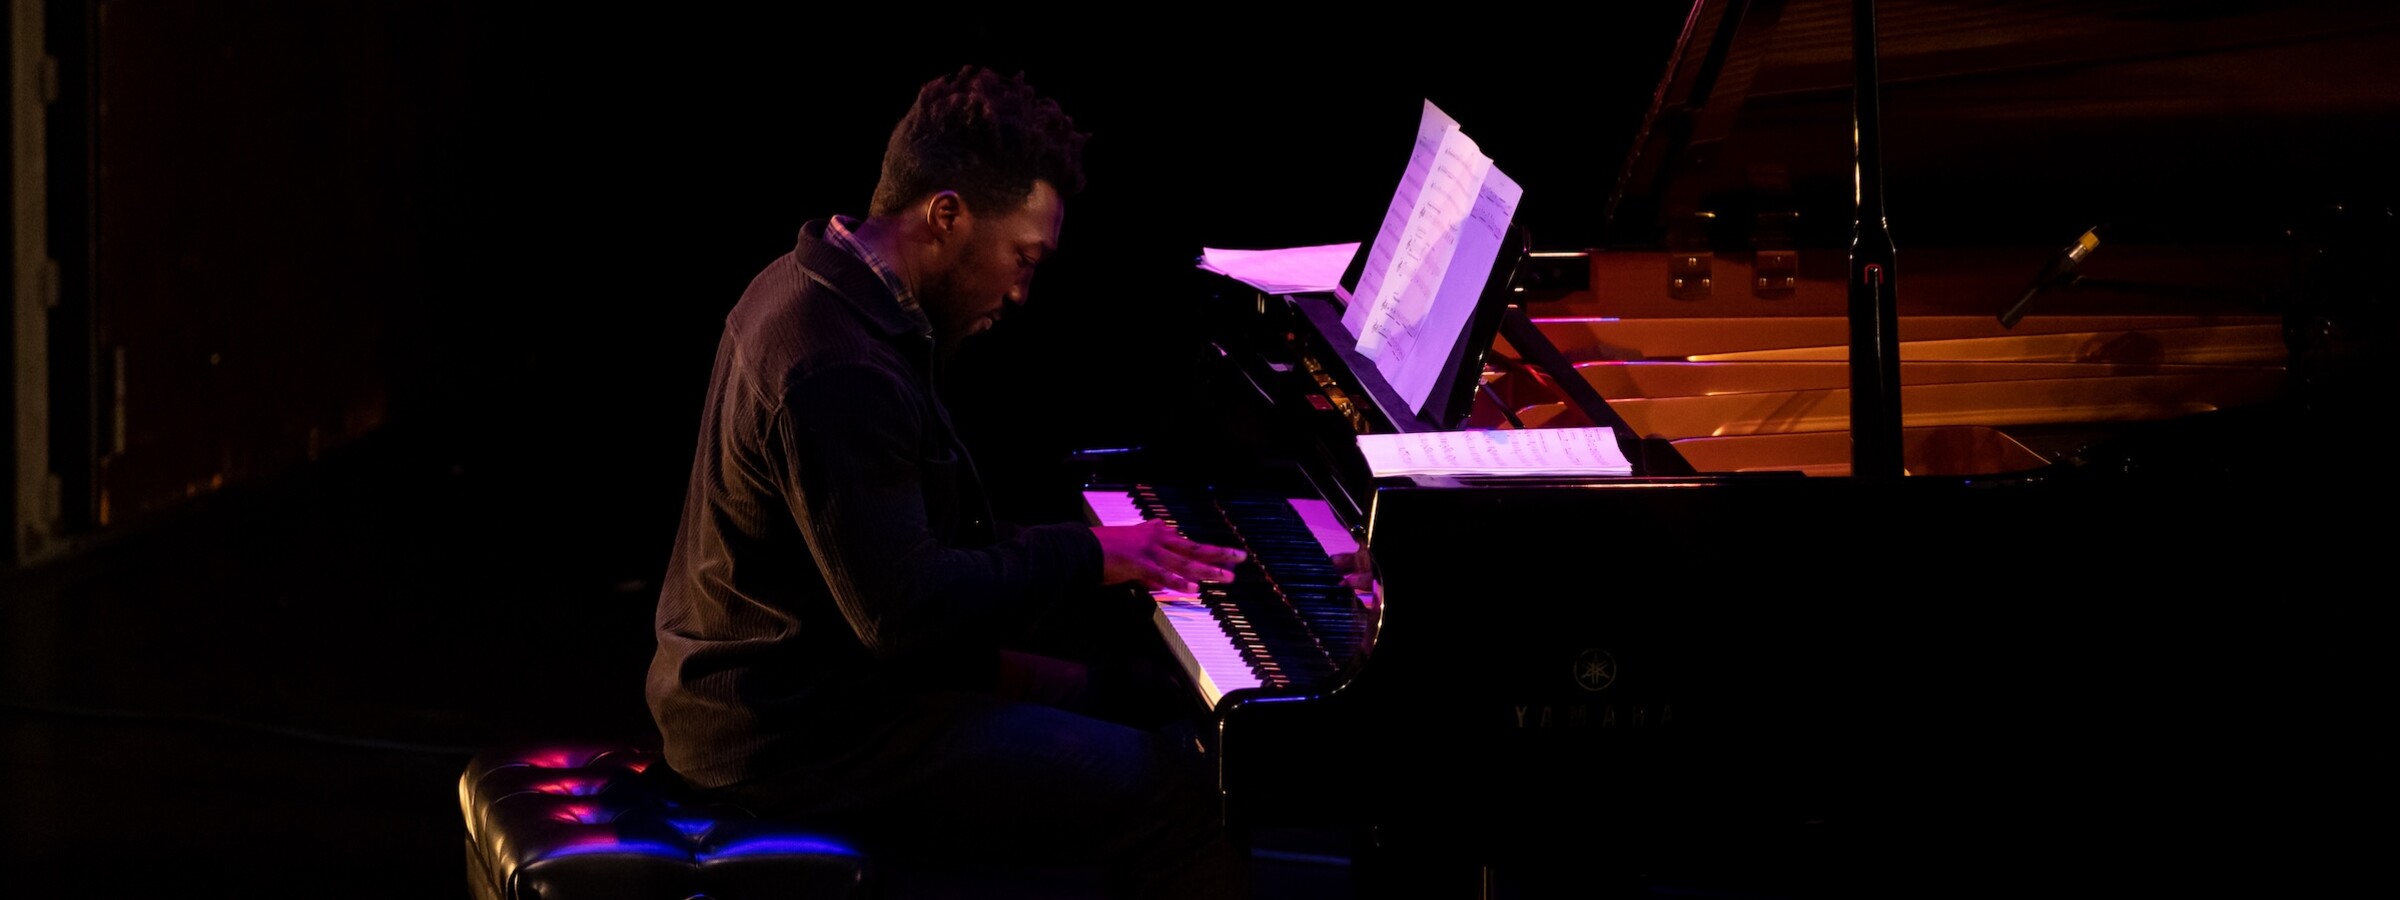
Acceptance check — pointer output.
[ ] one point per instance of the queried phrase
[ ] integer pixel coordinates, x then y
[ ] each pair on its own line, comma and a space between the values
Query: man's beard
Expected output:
949, 310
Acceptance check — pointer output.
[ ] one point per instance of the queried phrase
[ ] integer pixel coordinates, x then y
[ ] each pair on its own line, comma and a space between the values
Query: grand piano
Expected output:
2035, 559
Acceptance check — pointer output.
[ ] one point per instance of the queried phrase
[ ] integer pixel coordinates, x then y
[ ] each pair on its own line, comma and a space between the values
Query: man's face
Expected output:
993, 268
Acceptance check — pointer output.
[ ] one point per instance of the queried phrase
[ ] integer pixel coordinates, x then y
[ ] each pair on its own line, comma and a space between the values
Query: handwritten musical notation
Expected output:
1432, 126
1420, 255
1429, 263
1441, 306
1532, 451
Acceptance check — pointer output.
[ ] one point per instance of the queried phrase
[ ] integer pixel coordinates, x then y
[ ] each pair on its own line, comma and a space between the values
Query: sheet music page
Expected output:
1396, 316
1286, 270
1430, 129
1522, 451
1417, 374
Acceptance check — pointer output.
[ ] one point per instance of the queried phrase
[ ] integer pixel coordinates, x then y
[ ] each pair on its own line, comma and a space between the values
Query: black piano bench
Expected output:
570, 821
606, 821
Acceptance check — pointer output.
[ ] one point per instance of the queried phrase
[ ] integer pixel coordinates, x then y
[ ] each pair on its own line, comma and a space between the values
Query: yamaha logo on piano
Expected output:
1547, 716
1595, 670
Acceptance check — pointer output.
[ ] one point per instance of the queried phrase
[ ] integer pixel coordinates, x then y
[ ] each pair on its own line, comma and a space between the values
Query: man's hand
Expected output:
1154, 556
1358, 570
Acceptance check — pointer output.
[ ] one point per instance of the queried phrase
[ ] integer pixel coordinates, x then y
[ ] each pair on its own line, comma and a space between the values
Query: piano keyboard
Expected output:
1286, 619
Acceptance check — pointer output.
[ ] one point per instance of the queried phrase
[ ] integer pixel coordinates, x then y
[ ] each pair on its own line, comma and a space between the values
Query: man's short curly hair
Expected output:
984, 136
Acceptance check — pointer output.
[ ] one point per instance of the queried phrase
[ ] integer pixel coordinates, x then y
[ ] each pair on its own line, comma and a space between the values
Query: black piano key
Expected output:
1285, 611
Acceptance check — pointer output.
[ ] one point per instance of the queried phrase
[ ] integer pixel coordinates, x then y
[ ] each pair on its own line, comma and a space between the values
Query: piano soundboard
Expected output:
1286, 621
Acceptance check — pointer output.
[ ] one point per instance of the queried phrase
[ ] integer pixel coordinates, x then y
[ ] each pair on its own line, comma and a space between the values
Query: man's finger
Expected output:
1216, 554
1204, 572
1165, 580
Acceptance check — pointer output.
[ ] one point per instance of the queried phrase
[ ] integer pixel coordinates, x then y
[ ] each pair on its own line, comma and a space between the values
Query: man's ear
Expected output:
946, 214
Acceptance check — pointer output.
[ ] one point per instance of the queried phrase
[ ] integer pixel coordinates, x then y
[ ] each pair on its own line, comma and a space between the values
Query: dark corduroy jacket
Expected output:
835, 546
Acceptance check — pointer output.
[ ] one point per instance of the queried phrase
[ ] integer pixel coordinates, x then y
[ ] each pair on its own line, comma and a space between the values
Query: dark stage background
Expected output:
621, 180
283, 227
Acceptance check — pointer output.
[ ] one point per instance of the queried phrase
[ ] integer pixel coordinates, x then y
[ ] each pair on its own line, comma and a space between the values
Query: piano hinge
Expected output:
1688, 276
1775, 273
1774, 264
1689, 260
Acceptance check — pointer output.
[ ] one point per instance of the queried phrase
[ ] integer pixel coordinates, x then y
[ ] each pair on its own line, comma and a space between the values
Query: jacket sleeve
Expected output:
864, 486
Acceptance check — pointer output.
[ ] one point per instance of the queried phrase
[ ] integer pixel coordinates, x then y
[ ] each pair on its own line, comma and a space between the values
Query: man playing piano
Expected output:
836, 626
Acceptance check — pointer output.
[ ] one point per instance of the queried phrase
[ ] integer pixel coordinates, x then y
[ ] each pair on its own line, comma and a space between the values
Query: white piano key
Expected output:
1210, 657
1111, 508
1201, 646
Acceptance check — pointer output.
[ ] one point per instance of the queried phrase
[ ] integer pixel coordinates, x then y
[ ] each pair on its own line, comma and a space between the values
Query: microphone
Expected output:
2060, 269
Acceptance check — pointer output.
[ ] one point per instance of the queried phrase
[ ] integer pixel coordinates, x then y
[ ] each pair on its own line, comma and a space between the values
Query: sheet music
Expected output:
1431, 127
1523, 451
1422, 254
1287, 270
1419, 365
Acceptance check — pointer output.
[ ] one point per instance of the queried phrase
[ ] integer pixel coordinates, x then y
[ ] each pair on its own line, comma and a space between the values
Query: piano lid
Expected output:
2015, 122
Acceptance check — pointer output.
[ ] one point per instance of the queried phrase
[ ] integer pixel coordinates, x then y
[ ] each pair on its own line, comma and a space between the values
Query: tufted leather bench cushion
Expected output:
571, 821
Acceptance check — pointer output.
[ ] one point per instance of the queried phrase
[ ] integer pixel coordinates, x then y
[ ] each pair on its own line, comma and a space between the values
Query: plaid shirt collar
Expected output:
838, 233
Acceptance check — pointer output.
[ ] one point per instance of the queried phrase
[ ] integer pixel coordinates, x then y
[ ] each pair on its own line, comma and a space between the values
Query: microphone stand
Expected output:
1875, 448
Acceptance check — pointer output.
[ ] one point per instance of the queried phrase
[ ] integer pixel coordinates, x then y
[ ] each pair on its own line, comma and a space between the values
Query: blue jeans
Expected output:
981, 778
